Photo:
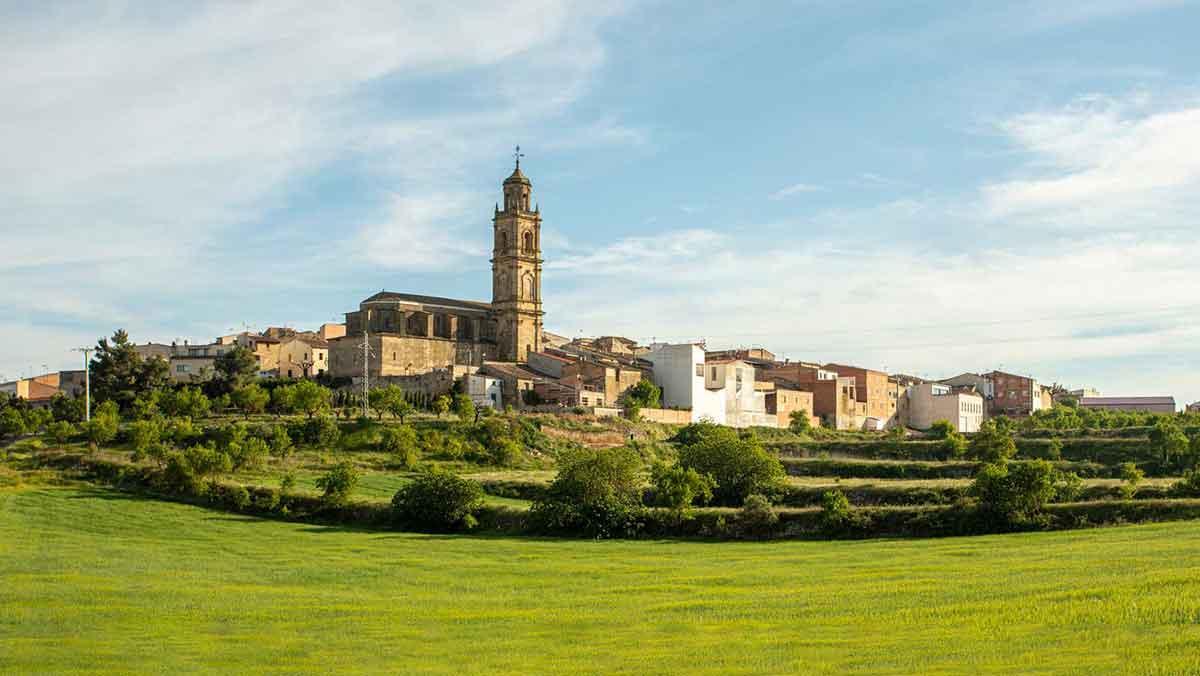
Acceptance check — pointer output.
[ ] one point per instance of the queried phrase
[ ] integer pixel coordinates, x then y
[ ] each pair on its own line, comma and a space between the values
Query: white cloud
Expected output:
424, 233
795, 189
1109, 157
652, 254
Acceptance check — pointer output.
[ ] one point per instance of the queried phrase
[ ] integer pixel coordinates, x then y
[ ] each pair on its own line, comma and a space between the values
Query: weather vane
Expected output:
517, 155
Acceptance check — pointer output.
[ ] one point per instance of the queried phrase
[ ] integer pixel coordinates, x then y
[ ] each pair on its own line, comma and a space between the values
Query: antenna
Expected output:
87, 380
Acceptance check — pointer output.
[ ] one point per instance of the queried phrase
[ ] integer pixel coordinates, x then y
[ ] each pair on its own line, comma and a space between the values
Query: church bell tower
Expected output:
517, 269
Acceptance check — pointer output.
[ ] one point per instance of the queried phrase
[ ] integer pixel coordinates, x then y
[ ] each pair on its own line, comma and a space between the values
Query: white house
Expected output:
930, 402
679, 371
744, 405
485, 390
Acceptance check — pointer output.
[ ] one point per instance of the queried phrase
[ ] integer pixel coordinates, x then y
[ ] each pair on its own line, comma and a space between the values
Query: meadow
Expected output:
96, 581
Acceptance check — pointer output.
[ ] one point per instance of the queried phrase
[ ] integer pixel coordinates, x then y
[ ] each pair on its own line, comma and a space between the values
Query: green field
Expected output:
93, 581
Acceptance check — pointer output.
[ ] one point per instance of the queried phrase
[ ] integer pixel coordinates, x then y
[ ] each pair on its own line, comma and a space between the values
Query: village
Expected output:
500, 354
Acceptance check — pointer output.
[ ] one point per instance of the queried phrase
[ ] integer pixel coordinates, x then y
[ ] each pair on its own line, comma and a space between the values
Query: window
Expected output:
527, 241
181, 368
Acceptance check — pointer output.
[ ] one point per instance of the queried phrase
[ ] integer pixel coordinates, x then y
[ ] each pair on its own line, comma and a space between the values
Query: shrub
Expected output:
251, 398
1188, 486
1168, 441
337, 485
188, 402
643, 394
145, 433
1015, 493
677, 488
400, 442
596, 493
464, 408
279, 441
102, 428
954, 445
739, 465
439, 500
181, 431
59, 432
1054, 449
835, 511
799, 422
309, 397
287, 482
441, 405
756, 518
941, 429
503, 453
251, 453
321, 431
993, 443
1131, 477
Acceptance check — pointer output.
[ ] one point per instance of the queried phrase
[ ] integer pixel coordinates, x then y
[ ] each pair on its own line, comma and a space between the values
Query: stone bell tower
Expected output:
517, 269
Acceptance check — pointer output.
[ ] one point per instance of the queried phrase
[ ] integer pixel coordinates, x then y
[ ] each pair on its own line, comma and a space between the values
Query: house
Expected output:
1015, 395
187, 363
679, 371
516, 381
871, 388
1193, 407
782, 399
37, 390
485, 390
835, 400
745, 405
760, 357
1143, 404
301, 357
930, 402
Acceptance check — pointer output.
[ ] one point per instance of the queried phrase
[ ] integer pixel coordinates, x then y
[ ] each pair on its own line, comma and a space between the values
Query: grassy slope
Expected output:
95, 581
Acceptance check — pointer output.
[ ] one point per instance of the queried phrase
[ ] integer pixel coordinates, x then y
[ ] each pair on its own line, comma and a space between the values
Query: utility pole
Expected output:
366, 361
87, 380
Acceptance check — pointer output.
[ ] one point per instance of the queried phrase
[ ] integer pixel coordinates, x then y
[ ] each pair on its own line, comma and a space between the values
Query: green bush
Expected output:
145, 433
400, 442
439, 500
60, 432
279, 441
678, 488
596, 493
993, 443
337, 485
12, 422
739, 465
1131, 477
1015, 493
756, 518
103, 426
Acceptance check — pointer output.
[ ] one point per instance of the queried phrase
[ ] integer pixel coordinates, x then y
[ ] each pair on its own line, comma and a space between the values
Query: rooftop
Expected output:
1126, 401
393, 297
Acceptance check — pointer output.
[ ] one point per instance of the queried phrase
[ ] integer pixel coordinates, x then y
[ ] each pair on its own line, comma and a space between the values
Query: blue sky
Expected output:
929, 187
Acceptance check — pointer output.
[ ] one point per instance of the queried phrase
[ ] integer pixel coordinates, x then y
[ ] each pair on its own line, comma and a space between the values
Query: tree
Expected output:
146, 405
993, 443
439, 500
677, 488
120, 374
464, 408
940, 429
1131, 477
67, 409
145, 433
1168, 441
12, 422
399, 405
739, 465
1016, 493
310, 397
799, 422
441, 405
60, 432
103, 426
236, 368
188, 402
643, 394
337, 485
377, 399
283, 400
595, 493
835, 511
251, 398
280, 441
400, 442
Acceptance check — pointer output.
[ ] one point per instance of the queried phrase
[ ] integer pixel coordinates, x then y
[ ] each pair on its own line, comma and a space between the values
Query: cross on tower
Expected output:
517, 155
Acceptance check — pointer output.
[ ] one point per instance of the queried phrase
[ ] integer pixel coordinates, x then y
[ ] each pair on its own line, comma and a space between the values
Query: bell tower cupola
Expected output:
517, 269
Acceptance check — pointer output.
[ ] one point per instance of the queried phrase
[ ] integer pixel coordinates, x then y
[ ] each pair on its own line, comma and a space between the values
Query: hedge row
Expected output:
1111, 451
917, 469
876, 495
1140, 432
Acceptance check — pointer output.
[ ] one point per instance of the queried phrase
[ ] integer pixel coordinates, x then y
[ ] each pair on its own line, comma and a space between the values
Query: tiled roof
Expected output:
1125, 401
392, 296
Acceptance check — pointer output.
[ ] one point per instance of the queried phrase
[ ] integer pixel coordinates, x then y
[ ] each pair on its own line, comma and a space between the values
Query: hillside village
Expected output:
500, 354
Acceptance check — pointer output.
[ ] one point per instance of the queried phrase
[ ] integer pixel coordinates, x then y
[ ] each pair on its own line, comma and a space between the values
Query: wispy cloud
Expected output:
795, 189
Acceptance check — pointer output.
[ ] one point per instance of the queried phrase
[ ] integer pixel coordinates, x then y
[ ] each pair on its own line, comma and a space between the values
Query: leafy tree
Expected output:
59, 432
595, 493
12, 422
250, 399
940, 429
1131, 477
1168, 441
504, 452
120, 374
68, 409
399, 405
146, 405
283, 400
400, 442
236, 368
799, 422
337, 485
439, 500
145, 433
993, 443
377, 399
188, 402
441, 405
677, 488
249, 453
1017, 492
835, 511
756, 518
739, 465
280, 441
310, 397
464, 408
954, 445
643, 394
103, 426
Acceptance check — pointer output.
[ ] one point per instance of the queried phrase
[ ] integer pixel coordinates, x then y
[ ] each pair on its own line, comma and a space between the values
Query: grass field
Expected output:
93, 581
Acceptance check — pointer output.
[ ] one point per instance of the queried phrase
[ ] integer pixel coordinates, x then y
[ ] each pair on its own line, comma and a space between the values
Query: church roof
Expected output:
517, 177
392, 296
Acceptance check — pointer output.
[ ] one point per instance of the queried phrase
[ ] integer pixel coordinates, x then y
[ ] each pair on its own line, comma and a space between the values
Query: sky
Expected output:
922, 187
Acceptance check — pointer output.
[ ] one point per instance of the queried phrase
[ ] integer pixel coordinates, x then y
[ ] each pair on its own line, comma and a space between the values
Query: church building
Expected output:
412, 334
